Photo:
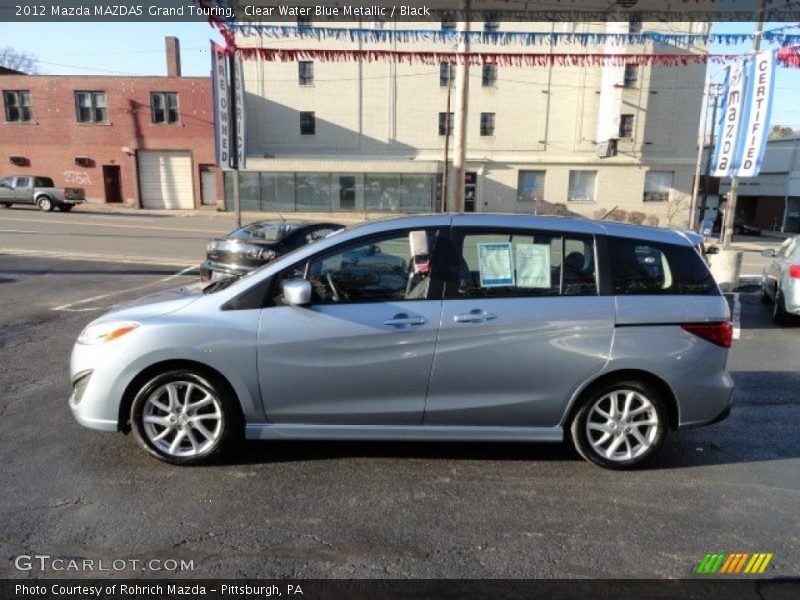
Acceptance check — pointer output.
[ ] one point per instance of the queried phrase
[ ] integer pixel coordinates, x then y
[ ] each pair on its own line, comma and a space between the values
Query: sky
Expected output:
138, 49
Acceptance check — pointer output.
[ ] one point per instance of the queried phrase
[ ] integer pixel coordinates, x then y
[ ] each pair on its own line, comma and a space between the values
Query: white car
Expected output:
780, 283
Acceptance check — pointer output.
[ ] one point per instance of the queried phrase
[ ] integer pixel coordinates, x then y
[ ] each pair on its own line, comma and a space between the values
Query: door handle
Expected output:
403, 320
475, 316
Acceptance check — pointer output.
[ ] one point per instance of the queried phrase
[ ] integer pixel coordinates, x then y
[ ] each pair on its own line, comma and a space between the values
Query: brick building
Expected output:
139, 141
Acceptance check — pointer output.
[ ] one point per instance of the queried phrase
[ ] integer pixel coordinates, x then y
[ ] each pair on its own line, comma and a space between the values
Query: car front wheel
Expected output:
185, 418
620, 425
45, 204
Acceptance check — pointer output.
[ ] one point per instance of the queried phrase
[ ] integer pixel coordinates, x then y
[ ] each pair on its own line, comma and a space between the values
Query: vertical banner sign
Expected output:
240, 130
758, 109
733, 91
222, 109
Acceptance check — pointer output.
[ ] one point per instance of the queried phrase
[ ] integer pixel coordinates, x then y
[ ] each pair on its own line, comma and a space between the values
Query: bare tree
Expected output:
18, 61
676, 206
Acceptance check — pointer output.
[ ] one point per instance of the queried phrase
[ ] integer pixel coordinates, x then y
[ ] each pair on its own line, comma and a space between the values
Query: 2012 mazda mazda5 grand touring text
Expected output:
439, 327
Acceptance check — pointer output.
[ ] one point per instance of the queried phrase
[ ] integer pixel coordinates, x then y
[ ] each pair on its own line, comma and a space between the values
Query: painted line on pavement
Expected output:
69, 307
111, 258
737, 316
120, 225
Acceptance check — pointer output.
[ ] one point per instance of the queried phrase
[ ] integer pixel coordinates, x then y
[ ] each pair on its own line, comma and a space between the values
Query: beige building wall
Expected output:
374, 115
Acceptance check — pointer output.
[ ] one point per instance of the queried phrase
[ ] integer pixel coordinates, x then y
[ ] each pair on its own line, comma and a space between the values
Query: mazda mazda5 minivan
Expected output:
439, 327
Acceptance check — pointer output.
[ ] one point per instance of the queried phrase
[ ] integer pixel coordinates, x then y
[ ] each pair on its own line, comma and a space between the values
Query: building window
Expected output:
308, 123
304, 21
491, 24
530, 186
445, 123
631, 76
626, 123
657, 186
487, 124
305, 72
489, 75
90, 107
445, 74
164, 107
448, 23
582, 186
635, 23
18, 105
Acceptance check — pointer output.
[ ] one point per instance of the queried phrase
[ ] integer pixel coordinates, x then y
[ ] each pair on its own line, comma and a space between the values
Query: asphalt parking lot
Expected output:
302, 509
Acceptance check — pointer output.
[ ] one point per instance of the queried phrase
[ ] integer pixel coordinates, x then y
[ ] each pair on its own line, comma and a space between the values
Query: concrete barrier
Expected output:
726, 267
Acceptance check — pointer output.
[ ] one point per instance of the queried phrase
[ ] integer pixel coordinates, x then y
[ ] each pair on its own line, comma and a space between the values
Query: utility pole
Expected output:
700, 150
711, 144
733, 195
447, 127
456, 196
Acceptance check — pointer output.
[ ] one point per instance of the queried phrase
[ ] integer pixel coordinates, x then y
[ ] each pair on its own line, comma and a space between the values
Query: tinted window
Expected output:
378, 270
649, 268
269, 232
525, 263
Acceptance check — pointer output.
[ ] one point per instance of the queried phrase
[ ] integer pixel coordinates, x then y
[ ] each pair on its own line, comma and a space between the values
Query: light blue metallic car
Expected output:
439, 327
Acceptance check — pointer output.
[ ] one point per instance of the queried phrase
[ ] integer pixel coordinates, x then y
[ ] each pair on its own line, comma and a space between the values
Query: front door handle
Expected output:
403, 320
477, 315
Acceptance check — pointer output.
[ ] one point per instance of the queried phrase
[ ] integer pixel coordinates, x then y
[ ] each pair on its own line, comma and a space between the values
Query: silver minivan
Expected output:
438, 327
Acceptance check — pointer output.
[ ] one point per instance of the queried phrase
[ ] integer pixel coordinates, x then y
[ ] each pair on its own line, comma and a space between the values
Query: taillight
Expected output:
794, 271
720, 334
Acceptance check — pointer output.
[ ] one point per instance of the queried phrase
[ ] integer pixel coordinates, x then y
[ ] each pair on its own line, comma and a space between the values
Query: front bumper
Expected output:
225, 269
97, 387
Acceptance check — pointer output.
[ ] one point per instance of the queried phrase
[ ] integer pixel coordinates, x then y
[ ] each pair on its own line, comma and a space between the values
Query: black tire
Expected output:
779, 314
65, 207
44, 203
230, 420
765, 299
596, 397
6, 204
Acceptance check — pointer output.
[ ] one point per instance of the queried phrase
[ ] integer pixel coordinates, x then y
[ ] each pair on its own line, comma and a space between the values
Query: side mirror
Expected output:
712, 250
297, 292
769, 252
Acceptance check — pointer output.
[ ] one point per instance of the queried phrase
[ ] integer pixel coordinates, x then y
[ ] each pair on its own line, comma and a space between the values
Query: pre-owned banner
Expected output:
758, 106
733, 93
221, 81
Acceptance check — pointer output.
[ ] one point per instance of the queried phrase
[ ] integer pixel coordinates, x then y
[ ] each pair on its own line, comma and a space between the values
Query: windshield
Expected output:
269, 232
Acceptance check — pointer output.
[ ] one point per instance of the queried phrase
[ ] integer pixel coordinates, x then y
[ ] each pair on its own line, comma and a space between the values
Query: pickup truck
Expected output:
39, 191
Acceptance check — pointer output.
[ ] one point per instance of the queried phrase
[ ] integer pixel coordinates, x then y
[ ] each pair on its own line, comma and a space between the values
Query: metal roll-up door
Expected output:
165, 179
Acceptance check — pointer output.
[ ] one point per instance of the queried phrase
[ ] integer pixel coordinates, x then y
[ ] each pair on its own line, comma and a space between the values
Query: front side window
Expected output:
90, 107
657, 186
18, 105
164, 107
381, 269
525, 263
487, 124
582, 185
306, 72
308, 123
652, 268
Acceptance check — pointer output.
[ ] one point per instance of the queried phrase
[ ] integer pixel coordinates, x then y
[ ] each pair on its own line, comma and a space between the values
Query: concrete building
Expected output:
139, 141
772, 200
358, 136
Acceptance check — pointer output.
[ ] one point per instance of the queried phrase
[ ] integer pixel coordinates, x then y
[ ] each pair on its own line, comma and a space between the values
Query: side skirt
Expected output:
443, 433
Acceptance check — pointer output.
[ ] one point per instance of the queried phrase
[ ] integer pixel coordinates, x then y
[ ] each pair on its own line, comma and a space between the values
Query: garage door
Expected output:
166, 179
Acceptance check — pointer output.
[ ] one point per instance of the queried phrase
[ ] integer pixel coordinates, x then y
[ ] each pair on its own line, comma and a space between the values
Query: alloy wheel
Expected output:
622, 425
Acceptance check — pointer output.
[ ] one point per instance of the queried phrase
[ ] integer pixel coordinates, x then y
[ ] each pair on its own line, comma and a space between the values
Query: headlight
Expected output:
98, 333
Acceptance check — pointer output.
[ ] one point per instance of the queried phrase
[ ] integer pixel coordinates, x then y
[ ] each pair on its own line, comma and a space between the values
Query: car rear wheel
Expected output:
620, 425
185, 418
765, 299
779, 314
45, 204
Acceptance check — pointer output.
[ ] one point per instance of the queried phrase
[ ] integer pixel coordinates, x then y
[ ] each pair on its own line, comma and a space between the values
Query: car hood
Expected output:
157, 304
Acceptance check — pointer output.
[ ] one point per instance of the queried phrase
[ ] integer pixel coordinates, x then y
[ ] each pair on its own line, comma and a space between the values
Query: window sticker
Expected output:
533, 265
494, 262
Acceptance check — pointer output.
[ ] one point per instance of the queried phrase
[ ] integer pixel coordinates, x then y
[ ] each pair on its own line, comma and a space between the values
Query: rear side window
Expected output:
43, 182
651, 268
